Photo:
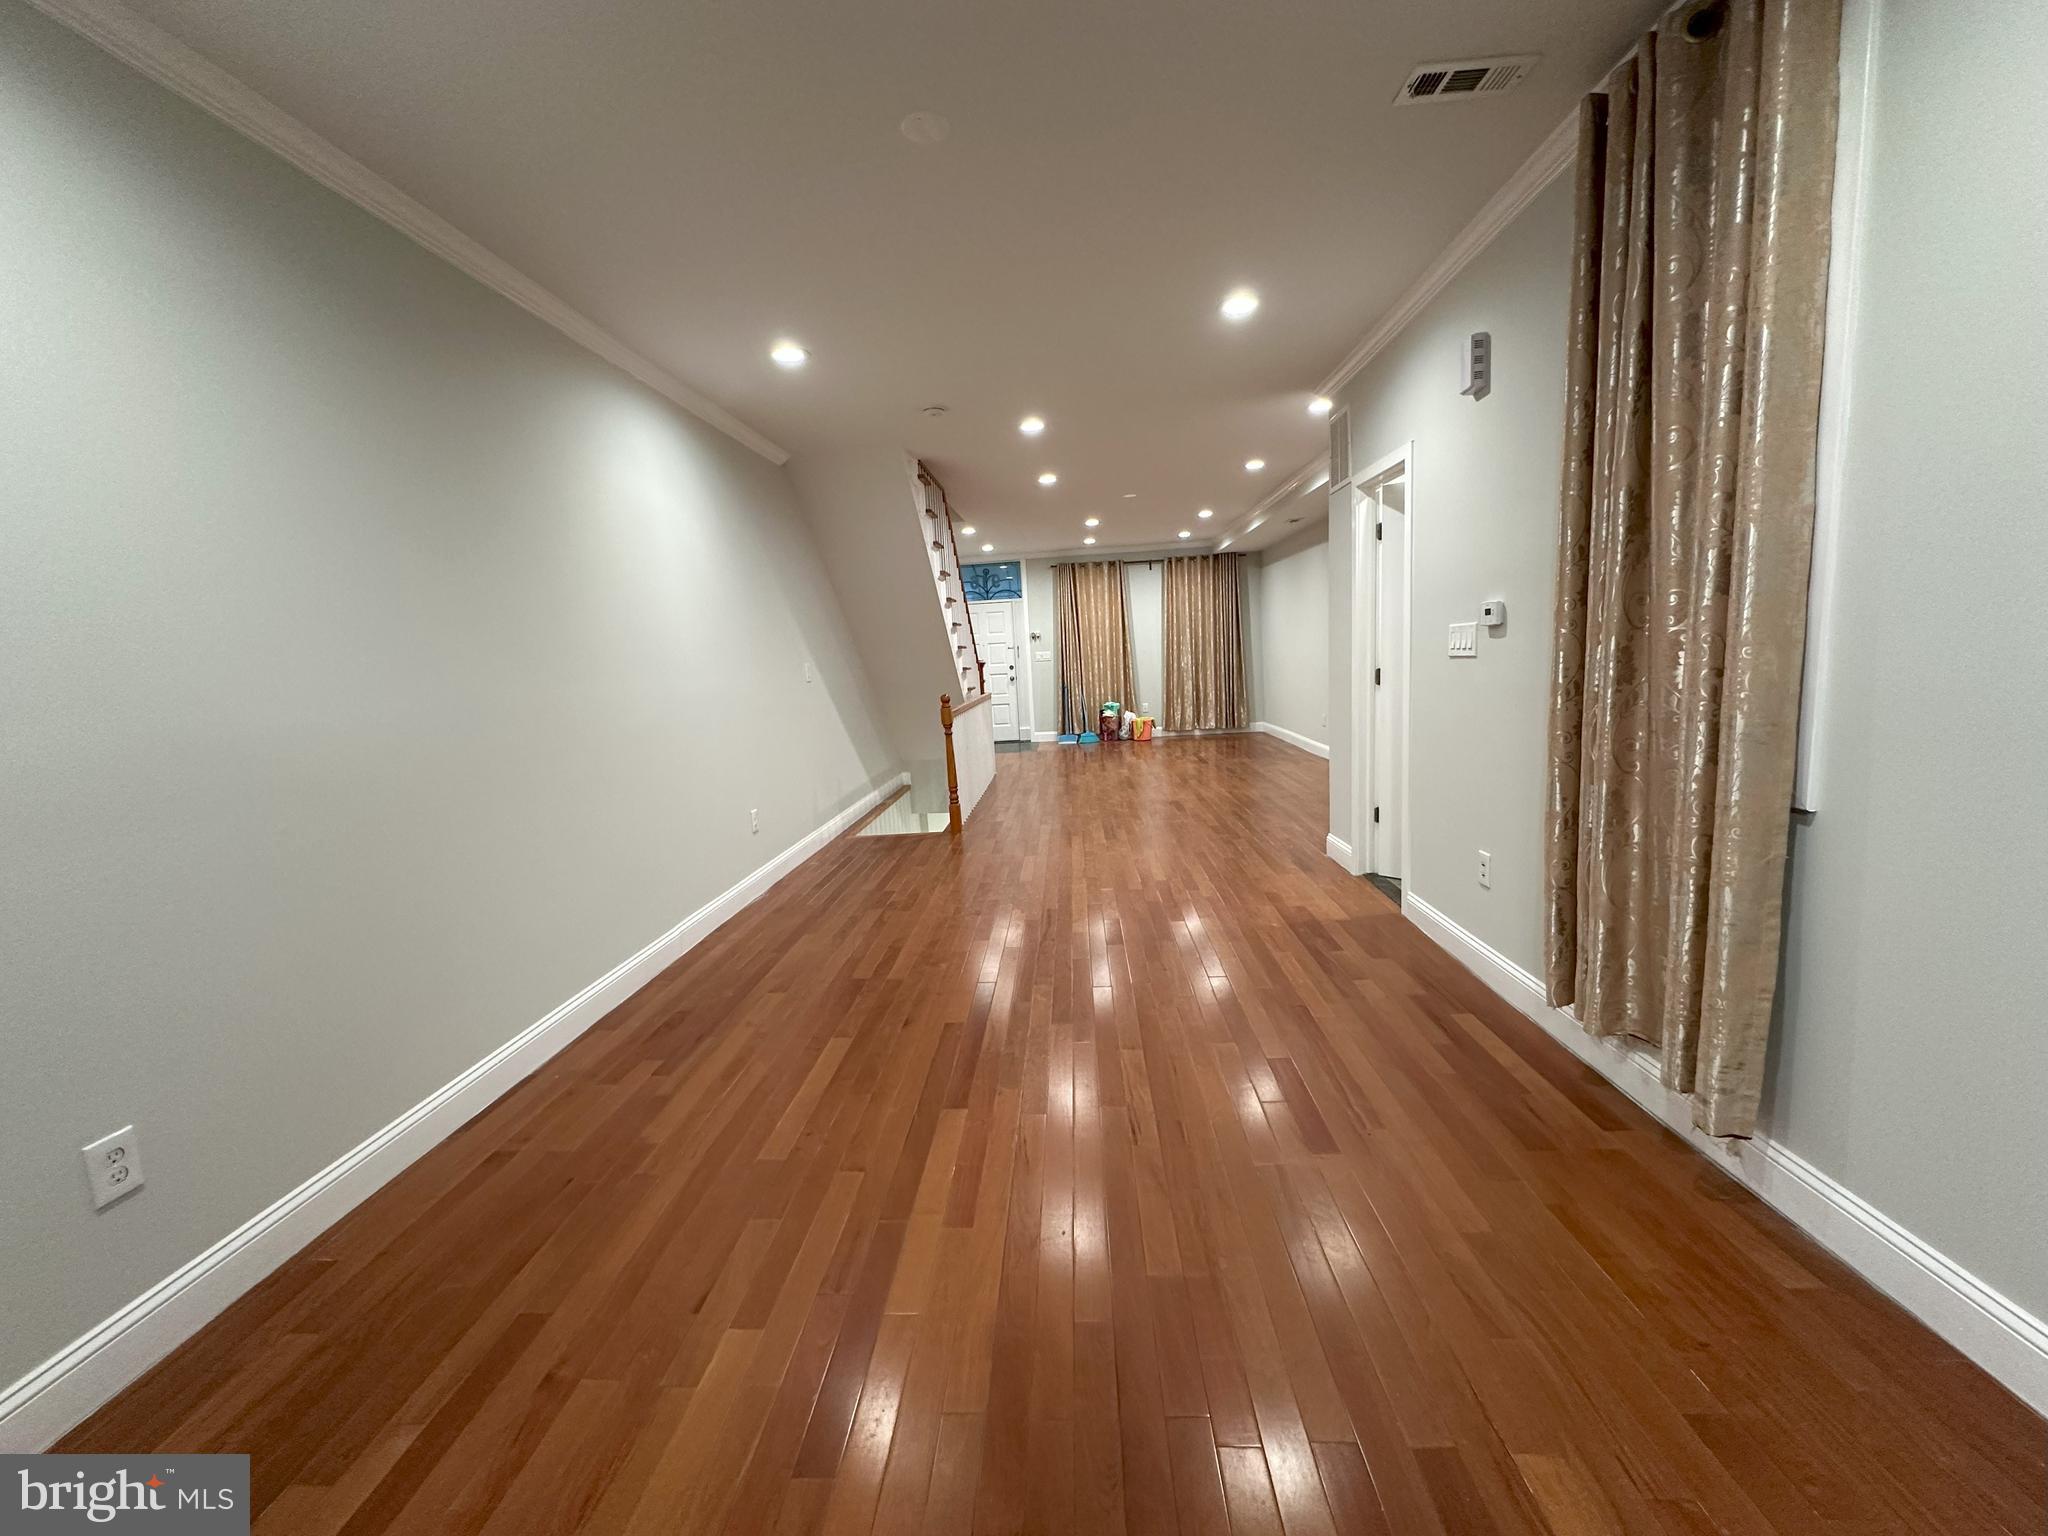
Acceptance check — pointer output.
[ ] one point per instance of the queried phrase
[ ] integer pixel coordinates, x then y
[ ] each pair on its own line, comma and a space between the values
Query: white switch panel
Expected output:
114, 1165
1464, 639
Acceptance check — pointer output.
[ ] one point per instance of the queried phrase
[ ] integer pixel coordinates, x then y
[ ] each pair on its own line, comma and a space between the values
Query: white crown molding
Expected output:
148, 49
1292, 738
79, 1378
1552, 156
1300, 483
1999, 1335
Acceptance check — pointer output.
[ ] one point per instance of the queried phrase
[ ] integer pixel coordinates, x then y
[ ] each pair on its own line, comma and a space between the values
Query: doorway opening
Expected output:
1382, 562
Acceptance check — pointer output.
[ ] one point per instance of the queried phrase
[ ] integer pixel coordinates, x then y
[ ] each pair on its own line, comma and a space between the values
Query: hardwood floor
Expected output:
1126, 1166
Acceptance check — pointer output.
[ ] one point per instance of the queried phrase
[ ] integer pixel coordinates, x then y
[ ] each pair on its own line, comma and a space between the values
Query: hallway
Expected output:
1123, 1166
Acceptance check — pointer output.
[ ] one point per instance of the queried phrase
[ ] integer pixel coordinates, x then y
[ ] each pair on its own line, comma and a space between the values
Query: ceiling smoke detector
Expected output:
935, 411
925, 128
1465, 77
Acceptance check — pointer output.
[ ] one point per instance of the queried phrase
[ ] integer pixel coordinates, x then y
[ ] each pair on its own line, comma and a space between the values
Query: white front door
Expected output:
996, 633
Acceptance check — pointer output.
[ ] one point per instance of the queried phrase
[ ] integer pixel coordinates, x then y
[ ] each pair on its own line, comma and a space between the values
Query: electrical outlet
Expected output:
113, 1164
754, 817
807, 671
1486, 869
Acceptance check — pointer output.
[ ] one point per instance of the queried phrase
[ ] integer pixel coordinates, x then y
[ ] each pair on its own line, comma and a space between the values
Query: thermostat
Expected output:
1493, 613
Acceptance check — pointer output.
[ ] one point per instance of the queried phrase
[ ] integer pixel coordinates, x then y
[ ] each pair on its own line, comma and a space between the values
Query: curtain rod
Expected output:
1213, 554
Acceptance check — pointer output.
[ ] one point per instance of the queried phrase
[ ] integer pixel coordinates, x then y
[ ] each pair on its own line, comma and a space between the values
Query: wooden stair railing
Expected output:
947, 715
951, 547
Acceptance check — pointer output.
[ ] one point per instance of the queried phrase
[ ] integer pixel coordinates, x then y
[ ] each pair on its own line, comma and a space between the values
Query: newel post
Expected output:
952, 766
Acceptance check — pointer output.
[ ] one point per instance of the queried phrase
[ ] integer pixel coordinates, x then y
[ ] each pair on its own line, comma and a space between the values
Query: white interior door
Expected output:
1390, 671
996, 632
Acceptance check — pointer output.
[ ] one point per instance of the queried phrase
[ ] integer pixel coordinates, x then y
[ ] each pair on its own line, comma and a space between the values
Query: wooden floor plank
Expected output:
1121, 1166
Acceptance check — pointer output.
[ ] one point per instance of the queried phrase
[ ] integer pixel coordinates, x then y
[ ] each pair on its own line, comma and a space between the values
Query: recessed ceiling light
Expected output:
787, 354
1048, 478
1091, 522
1206, 512
988, 549
1089, 540
967, 533
1320, 406
1031, 426
1185, 533
1240, 304
924, 128
1254, 465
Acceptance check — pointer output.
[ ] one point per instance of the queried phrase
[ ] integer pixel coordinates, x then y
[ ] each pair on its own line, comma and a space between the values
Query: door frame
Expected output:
1365, 645
1020, 620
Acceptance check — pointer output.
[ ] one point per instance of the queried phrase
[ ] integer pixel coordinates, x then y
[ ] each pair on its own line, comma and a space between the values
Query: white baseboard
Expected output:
1999, 1335
1339, 850
83, 1375
1293, 738
1045, 735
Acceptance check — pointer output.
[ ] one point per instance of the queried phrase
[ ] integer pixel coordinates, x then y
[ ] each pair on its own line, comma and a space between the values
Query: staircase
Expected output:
942, 548
894, 561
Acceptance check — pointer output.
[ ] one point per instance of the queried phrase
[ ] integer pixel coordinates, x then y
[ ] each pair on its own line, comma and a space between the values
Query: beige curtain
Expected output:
1094, 641
1204, 646
1699, 281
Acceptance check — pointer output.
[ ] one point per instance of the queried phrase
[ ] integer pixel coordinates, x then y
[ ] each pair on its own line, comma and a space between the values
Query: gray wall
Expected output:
379, 670
1910, 1062
1039, 621
1288, 632
873, 536
1483, 523
1912, 1054
1146, 584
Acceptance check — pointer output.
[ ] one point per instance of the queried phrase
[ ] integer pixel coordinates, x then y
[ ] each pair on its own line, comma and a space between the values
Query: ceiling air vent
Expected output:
1466, 77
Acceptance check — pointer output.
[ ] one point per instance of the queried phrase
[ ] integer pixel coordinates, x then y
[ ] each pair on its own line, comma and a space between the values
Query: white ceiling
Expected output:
702, 177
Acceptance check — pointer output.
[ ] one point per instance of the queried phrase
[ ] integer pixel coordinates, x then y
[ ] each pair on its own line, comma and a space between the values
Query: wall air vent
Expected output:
1465, 77
1340, 448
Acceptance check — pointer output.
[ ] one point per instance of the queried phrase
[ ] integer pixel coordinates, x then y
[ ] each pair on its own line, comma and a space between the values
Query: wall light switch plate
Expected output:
1464, 639
114, 1165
